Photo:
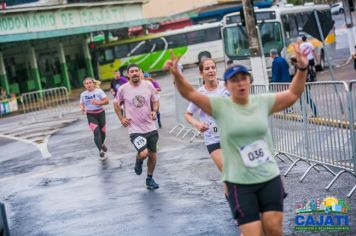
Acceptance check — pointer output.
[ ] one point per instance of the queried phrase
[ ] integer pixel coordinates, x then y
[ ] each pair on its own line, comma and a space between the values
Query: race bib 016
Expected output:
255, 153
139, 142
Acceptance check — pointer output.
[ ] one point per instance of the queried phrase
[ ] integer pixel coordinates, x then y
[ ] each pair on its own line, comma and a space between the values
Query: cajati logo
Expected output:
328, 214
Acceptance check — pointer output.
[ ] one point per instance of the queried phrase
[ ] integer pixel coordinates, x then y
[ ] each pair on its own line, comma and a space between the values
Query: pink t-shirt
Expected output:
137, 103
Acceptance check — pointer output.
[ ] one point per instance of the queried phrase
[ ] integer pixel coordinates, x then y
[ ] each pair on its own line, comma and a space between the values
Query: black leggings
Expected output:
97, 124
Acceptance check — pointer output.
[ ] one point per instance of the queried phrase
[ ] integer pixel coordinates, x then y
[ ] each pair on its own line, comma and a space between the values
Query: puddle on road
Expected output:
53, 182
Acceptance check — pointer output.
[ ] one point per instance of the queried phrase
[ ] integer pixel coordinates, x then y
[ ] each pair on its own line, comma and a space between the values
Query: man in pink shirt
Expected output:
137, 96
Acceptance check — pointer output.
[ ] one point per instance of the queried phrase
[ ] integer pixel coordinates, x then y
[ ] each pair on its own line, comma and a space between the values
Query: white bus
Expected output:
279, 27
150, 52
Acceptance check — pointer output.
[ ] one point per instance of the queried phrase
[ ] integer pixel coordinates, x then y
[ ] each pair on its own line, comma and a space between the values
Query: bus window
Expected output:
286, 27
305, 16
121, 51
158, 44
106, 55
138, 48
212, 34
293, 26
178, 40
196, 37
236, 42
271, 36
300, 22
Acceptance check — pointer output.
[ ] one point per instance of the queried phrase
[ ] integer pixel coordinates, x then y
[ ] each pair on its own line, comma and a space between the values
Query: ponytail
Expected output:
95, 82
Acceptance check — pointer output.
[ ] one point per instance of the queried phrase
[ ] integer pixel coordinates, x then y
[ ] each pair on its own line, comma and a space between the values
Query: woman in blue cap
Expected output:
250, 172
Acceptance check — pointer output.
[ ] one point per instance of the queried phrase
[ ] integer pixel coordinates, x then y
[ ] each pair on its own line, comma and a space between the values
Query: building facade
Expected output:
160, 8
47, 46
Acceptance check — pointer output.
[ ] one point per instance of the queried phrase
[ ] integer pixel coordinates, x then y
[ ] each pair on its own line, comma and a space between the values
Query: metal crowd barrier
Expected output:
319, 129
54, 101
255, 89
183, 129
4, 228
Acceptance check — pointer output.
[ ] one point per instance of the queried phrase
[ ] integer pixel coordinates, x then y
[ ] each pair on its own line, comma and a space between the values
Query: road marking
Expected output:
42, 147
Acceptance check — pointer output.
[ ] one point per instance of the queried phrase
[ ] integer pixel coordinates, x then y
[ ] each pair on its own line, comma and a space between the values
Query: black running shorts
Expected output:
147, 140
213, 147
311, 62
248, 201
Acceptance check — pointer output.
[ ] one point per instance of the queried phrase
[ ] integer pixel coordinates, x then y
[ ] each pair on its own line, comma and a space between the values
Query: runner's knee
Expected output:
273, 230
93, 126
143, 154
272, 223
96, 131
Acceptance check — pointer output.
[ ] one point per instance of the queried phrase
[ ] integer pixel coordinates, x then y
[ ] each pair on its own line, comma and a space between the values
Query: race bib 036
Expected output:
255, 153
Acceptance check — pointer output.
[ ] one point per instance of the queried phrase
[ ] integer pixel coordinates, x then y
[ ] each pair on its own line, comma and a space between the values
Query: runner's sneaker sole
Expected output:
151, 188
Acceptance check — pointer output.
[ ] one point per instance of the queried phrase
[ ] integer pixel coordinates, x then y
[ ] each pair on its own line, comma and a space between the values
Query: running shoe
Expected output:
102, 155
151, 184
104, 148
138, 166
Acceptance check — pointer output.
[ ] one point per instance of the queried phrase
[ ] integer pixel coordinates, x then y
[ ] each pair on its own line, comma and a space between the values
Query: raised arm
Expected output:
287, 98
185, 89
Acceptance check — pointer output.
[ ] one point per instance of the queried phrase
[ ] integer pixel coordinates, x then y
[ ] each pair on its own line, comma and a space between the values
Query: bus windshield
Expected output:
236, 39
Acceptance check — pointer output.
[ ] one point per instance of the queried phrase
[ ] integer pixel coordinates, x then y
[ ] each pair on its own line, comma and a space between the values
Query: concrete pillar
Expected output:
3, 76
87, 58
35, 73
64, 67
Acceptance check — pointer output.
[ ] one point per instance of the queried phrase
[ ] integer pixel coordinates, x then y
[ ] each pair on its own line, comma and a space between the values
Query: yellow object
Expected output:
331, 38
106, 72
330, 201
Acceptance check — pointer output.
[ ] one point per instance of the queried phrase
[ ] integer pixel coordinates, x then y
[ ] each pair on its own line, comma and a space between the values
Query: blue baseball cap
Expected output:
235, 69
146, 74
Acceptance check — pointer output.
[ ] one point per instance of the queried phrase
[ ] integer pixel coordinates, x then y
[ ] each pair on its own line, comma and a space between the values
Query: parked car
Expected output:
337, 8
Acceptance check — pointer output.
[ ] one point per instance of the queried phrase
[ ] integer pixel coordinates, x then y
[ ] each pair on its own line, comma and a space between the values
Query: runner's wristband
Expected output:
302, 69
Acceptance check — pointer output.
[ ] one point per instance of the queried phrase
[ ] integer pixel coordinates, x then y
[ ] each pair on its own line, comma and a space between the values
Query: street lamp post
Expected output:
258, 64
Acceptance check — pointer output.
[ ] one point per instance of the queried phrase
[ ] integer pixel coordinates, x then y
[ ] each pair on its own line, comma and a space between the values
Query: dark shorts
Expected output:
248, 201
213, 147
147, 140
311, 62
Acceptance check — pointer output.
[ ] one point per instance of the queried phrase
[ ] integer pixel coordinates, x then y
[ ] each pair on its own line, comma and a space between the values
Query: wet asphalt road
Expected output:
73, 193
